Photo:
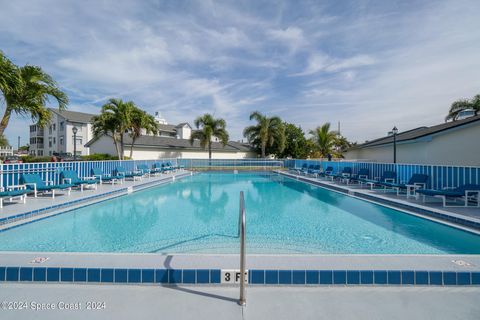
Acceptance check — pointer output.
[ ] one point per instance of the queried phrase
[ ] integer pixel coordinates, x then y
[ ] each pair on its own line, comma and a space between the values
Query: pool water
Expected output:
199, 214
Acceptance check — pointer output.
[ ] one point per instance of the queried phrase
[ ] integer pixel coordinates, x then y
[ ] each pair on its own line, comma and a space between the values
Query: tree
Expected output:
341, 145
139, 120
114, 119
266, 133
210, 127
461, 105
26, 90
296, 145
324, 139
4, 141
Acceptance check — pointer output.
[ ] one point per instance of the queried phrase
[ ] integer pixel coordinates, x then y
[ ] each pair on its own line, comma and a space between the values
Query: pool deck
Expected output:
254, 261
467, 218
16, 213
157, 302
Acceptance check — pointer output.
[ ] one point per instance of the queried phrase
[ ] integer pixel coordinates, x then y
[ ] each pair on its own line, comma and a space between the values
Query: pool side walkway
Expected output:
182, 303
467, 218
17, 213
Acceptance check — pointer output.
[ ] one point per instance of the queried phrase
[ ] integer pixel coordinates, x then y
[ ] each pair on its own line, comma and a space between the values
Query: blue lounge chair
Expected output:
71, 177
120, 171
344, 175
145, 170
157, 167
362, 174
101, 177
417, 181
327, 172
13, 192
166, 167
303, 168
315, 170
387, 176
34, 182
470, 192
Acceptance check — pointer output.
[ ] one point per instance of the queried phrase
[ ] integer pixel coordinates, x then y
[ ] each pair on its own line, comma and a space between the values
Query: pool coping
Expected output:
458, 221
197, 269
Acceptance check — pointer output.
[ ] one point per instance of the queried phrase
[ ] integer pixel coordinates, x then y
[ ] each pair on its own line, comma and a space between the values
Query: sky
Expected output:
369, 65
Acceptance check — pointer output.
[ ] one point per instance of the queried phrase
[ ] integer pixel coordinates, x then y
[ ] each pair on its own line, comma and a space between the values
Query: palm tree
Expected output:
324, 139
115, 118
461, 105
210, 127
141, 120
26, 90
266, 133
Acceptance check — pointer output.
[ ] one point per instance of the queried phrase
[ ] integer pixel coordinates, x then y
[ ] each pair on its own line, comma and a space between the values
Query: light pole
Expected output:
18, 145
75, 130
394, 131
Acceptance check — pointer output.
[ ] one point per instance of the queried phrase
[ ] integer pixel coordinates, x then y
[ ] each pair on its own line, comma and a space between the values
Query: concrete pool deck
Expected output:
137, 302
254, 261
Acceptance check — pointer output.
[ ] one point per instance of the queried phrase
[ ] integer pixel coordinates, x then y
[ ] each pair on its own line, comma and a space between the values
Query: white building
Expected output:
450, 143
58, 135
173, 141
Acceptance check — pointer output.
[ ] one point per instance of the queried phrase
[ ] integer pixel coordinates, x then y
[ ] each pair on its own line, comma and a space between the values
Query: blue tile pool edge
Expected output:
268, 277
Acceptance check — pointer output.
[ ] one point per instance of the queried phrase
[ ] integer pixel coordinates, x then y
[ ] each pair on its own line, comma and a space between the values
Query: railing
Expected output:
241, 233
440, 177
50, 171
231, 164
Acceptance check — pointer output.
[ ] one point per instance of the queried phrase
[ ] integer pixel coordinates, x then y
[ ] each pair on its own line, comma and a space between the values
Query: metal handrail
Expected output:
241, 233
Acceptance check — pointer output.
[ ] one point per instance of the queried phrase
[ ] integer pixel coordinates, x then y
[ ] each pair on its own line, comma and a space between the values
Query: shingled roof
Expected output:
74, 116
418, 133
174, 143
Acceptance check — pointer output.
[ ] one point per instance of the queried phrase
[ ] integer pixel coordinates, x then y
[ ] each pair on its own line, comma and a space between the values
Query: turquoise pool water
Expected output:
199, 214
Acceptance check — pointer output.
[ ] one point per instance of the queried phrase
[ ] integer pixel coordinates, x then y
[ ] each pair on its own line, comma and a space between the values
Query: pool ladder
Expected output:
241, 234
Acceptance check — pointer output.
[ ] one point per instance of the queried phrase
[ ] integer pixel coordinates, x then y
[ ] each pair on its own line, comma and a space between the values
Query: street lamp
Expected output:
74, 130
394, 131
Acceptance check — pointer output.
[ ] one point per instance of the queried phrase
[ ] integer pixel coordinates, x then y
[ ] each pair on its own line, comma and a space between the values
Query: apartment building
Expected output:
58, 135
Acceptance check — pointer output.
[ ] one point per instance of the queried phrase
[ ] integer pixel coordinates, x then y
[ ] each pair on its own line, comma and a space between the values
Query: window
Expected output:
39, 152
54, 140
50, 129
62, 125
49, 153
61, 140
79, 140
50, 142
54, 126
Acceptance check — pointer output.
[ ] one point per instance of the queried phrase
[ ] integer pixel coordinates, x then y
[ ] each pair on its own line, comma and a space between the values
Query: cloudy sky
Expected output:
368, 64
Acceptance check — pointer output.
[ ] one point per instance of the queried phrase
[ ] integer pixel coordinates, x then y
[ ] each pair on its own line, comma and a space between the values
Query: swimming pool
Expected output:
199, 214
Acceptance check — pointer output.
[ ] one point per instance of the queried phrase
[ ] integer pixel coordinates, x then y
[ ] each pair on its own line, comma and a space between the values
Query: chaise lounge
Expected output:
135, 175
387, 176
71, 177
14, 192
34, 182
470, 192
417, 181
101, 177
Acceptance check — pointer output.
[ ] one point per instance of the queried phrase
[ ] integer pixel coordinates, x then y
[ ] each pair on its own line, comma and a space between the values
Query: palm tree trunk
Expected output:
131, 147
210, 150
115, 142
263, 150
121, 146
5, 120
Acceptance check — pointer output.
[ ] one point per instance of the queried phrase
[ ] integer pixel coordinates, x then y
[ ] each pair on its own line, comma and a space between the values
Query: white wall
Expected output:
105, 145
460, 146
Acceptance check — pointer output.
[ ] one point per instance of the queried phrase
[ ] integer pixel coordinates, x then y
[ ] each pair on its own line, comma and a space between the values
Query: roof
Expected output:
182, 125
167, 128
74, 116
417, 133
174, 143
